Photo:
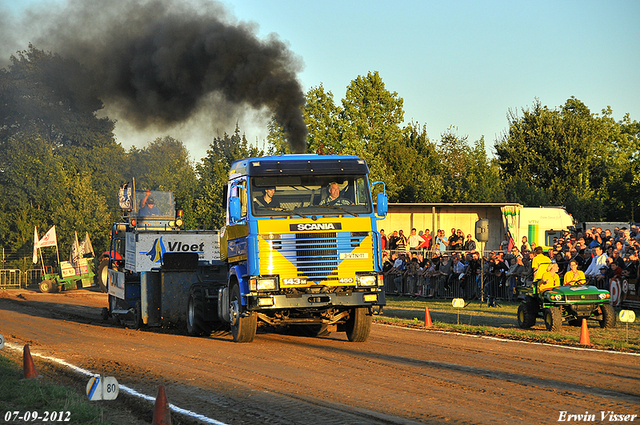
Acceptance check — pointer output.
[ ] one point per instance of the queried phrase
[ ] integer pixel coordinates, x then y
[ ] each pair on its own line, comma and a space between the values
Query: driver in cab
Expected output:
334, 198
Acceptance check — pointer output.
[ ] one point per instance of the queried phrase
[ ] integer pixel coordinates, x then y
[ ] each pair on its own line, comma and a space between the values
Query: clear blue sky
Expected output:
462, 63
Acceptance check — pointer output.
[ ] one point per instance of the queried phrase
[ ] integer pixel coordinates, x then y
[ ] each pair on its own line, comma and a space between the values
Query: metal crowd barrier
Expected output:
450, 286
16, 278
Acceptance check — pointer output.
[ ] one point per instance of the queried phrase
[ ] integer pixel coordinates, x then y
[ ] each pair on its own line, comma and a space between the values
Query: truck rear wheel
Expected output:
553, 319
196, 324
358, 327
243, 323
48, 286
608, 316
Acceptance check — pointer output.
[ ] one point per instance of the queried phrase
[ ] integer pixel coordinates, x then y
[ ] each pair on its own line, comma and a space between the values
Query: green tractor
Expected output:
565, 304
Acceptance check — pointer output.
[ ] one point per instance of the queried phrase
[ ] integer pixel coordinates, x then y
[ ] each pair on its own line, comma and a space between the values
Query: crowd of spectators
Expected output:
436, 265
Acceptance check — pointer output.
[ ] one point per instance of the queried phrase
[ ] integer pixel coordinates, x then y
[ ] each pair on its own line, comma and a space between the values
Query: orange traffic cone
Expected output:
584, 333
27, 362
427, 318
161, 411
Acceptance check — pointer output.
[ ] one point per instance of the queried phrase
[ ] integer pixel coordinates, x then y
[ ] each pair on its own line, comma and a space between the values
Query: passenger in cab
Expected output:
267, 199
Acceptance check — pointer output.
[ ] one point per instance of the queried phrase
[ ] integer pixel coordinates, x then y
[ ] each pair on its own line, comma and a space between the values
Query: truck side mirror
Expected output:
235, 212
383, 204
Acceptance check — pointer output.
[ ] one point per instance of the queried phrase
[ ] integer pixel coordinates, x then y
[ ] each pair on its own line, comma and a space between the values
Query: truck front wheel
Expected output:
358, 326
243, 323
608, 316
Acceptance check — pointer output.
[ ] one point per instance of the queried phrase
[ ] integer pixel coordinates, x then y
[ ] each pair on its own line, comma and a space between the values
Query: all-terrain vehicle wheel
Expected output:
358, 327
244, 324
527, 313
608, 316
553, 318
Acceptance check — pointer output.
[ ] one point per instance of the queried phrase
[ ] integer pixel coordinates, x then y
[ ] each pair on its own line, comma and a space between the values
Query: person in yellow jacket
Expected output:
550, 278
574, 276
539, 263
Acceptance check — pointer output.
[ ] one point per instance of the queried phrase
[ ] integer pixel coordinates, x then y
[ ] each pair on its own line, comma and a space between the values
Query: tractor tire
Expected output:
48, 286
196, 324
527, 314
358, 327
608, 316
244, 324
553, 319
102, 275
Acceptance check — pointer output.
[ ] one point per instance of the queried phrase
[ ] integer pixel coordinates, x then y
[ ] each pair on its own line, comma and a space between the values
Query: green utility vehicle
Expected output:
68, 277
565, 304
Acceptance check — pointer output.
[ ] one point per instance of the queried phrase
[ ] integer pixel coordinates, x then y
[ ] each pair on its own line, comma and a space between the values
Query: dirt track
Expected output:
398, 376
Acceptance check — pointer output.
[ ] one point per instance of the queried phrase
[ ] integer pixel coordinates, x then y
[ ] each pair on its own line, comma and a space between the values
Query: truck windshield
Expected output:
310, 195
153, 205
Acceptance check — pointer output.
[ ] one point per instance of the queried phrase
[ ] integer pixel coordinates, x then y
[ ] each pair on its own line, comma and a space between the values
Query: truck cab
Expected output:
302, 245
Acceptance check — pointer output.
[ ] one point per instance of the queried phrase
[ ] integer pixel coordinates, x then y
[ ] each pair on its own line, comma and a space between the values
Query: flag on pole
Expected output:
76, 252
86, 246
35, 245
49, 239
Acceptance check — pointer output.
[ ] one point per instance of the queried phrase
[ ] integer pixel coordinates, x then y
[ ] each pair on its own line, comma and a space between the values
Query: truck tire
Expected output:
196, 324
527, 314
553, 319
102, 274
48, 286
358, 326
243, 323
137, 316
608, 316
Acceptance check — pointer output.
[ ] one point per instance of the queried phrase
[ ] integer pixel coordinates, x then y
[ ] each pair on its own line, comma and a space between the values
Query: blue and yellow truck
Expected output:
300, 249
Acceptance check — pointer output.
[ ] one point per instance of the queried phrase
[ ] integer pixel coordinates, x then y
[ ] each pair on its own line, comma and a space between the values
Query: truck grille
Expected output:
316, 255
587, 297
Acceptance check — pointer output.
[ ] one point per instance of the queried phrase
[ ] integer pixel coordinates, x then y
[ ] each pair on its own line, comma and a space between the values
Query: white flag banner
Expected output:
49, 239
76, 252
35, 245
86, 246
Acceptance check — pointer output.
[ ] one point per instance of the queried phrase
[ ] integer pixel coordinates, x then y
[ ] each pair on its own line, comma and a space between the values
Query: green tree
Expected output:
53, 150
562, 152
213, 172
322, 118
370, 125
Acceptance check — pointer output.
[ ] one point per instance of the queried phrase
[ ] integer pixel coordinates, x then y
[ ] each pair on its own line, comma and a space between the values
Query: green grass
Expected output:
39, 395
477, 318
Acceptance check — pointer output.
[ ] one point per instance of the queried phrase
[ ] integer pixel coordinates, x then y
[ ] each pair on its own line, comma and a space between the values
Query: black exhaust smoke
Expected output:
161, 61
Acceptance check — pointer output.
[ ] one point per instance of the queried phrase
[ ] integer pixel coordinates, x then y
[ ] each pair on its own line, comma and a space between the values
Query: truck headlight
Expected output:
263, 283
367, 280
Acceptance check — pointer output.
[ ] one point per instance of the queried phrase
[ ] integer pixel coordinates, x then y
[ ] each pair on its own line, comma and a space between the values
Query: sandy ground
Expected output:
398, 376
